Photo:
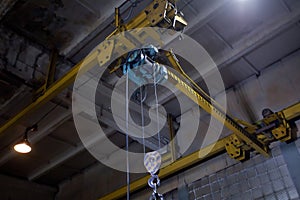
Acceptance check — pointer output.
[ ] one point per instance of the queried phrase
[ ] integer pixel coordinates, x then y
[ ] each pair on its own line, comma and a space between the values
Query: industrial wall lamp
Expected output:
24, 146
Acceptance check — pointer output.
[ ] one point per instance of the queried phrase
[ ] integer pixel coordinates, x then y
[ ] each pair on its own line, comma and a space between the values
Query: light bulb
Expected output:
23, 147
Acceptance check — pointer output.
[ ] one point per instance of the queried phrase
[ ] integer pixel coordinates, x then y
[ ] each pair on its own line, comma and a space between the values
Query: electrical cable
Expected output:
127, 139
142, 116
129, 14
156, 102
47, 113
133, 4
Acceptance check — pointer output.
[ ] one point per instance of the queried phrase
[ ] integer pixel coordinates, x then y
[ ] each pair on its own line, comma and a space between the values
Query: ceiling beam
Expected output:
49, 94
45, 128
106, 118
246, 45
205, 16
5, 6
17, 183
150, 142
59, 159
101, 166
257, 38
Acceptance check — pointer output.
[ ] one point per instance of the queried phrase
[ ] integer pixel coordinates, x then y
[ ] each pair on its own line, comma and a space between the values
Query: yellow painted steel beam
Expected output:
292, 112
51, 68
172, 136
210, 151
217, 113
53, 91
181, 164
140, 21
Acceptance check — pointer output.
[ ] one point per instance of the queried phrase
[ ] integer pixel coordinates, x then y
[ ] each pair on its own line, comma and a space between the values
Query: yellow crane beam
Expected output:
291, 113
178, 165
50, 93
208, 104
159, 13
218, 114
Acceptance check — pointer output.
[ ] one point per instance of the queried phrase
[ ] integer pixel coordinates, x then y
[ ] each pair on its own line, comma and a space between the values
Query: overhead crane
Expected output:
245, 137
160, 13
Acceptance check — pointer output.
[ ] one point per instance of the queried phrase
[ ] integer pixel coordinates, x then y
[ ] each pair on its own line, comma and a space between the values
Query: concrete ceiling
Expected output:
245, 39
53, 24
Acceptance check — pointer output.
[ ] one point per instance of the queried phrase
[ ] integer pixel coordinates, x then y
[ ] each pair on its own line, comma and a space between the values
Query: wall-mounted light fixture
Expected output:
24, 146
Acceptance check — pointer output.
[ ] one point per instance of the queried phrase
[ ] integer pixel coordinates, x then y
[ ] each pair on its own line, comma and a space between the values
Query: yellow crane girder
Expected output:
143, 19
159, 13
291, 113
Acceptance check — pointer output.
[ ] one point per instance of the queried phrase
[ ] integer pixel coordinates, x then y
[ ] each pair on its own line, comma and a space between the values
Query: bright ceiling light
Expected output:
23, 147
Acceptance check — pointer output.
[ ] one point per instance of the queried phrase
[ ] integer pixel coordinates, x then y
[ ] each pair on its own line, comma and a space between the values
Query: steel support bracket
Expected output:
283, 132
235, 148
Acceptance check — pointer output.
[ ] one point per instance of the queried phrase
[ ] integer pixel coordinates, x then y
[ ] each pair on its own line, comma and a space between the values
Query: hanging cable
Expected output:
156, 102
132, 6
127, 139
24, 146
129, 14
47, 113
142, 117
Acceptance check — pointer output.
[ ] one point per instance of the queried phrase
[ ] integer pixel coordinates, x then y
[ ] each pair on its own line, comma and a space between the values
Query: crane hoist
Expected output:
245, 137
140, 63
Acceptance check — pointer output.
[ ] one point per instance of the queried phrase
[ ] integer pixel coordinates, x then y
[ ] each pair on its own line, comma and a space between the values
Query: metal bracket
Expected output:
236, 149
49, 77
283, 132
104, 51
164, 14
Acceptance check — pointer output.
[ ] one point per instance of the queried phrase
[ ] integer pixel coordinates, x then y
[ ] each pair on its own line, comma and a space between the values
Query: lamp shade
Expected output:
23, 147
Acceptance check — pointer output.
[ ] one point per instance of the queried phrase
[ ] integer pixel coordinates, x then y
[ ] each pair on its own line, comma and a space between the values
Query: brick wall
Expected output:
257, 178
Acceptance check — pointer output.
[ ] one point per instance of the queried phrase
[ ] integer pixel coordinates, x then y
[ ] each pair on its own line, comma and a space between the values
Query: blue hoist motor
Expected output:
141, 66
